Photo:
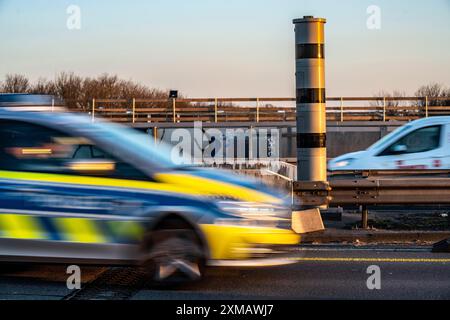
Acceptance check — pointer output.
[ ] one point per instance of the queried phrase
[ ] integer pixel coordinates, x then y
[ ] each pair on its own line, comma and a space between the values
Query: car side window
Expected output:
34, 148
420, 140
88, 152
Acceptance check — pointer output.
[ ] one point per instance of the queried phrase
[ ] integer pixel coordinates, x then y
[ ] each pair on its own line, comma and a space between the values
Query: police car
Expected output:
420, 144
77, 191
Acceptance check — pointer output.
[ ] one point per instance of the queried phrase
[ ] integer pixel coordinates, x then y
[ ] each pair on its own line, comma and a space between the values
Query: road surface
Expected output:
320, 272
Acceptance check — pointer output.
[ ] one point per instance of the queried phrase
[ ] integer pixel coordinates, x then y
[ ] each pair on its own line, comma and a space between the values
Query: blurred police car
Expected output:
420, 144
81, 192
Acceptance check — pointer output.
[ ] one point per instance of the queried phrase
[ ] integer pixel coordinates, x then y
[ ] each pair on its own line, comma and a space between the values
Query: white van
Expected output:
420, 144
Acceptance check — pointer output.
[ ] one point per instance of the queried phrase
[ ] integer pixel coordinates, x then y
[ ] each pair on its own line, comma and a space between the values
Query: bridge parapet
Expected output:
264, 109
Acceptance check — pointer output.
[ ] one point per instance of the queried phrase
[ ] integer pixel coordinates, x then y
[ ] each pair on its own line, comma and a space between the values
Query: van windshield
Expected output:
391, 136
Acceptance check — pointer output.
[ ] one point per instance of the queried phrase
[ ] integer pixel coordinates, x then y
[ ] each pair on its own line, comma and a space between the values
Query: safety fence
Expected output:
261, 109
376, 188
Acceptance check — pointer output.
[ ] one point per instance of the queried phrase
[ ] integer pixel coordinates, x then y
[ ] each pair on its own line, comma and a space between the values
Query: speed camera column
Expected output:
310, 99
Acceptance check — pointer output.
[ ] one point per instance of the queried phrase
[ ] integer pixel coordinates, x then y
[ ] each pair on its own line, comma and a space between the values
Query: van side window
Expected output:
420, 140
34, 148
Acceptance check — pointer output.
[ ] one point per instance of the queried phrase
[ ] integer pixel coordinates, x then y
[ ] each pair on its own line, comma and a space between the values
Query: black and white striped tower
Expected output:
310, 99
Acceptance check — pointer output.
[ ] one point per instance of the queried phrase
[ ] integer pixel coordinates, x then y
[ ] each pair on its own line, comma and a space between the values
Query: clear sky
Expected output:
228, 47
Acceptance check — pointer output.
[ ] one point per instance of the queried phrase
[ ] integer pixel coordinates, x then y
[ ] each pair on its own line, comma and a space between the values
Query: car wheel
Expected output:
175, 256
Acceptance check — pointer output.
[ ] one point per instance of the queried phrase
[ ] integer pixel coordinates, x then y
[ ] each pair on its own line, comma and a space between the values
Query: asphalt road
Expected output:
320, 272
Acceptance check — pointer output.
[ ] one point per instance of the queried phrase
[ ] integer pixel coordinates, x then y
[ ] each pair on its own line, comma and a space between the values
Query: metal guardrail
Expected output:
260, 109
406, 187
377, 187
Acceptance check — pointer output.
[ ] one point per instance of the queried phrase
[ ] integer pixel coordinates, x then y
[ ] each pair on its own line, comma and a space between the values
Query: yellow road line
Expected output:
432, 260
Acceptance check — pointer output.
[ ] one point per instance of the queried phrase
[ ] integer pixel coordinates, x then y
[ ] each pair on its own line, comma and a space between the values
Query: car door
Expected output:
422, 148
53, 202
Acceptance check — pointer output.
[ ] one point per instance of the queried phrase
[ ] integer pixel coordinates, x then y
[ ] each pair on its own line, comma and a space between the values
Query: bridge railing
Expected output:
138, 110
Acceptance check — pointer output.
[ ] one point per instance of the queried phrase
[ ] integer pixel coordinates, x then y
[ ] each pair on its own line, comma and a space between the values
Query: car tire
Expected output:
175, 256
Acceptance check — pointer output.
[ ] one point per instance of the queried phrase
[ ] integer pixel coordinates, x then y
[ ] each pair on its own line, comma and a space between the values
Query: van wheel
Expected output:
175, 256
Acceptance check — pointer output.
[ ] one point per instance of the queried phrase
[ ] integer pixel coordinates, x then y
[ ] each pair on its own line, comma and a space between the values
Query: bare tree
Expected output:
78, 92
432, 90
390, 101
68, 86
15, 83
446, 94
42, 86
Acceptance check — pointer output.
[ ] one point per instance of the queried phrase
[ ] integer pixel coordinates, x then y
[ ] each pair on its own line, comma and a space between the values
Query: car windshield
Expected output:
391, 136
134, 141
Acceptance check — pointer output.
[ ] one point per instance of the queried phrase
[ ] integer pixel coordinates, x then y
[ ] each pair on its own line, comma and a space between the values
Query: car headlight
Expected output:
253, 214
254, 210
342, 163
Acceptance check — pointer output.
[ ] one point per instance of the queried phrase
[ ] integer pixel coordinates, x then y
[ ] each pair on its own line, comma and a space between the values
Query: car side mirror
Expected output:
91, 166
399, 148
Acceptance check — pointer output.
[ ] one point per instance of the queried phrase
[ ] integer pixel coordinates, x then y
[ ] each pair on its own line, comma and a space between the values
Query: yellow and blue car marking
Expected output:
69, 229
102, 222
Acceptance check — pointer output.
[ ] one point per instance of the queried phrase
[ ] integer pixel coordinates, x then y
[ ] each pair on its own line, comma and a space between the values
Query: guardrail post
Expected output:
342, 109
174, 109
215, 110
93, 110
364, 217
426, 107
134, 107
53, 104
250, 143
155, 134
384, 109
257, 110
